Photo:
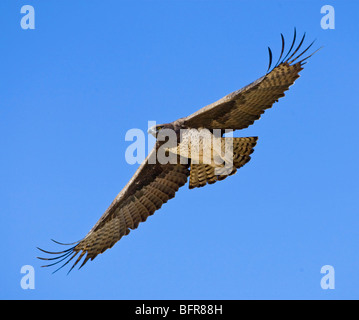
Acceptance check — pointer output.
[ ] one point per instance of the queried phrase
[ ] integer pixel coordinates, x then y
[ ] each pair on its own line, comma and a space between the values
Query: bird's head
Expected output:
154, 130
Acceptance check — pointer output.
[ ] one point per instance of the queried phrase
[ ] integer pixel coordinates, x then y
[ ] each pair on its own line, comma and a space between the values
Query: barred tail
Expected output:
201, 174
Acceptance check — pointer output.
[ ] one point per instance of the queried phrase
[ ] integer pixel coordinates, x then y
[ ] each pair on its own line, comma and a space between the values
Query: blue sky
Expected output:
91, 70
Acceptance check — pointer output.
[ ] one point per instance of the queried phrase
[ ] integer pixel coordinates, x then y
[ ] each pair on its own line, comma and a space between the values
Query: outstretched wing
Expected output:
151, 186
241, 108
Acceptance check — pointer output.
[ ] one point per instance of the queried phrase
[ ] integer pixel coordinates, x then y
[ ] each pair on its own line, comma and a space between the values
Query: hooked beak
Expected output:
152, 131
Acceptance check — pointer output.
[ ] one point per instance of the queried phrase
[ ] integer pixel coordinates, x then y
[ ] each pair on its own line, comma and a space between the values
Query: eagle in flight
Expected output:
155, 182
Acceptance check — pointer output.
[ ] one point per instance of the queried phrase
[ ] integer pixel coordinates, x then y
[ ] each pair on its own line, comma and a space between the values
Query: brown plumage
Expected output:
201, 174
154, 184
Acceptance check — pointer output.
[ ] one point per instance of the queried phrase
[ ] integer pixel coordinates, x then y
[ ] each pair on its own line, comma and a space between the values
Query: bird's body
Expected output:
195, 147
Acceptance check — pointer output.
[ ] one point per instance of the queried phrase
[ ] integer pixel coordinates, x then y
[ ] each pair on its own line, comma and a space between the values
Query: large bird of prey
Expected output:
155, 182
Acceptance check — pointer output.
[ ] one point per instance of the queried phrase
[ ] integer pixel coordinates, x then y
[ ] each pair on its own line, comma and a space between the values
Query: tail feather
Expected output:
201, 174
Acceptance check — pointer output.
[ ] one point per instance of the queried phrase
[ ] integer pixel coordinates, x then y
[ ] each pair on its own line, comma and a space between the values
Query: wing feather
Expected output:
151, 186
241, 108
